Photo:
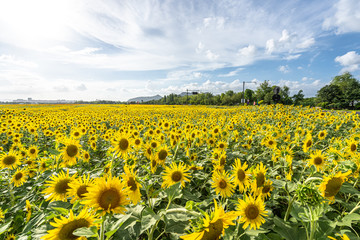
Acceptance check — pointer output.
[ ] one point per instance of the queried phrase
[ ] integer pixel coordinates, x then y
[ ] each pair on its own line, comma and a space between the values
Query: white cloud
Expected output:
248, 51
284, 69
345, 17
292, 57
9, 60
350, 61
270, 46
81, 87
306, 43
309, 88
232, 73
211, 56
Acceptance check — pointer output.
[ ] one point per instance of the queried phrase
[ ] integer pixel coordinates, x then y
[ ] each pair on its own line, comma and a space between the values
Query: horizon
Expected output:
92, 50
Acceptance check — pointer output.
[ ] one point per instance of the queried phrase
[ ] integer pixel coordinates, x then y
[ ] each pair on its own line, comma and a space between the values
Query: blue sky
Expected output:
116, 50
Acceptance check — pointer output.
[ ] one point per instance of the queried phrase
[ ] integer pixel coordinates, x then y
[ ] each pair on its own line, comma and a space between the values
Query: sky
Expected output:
116, 50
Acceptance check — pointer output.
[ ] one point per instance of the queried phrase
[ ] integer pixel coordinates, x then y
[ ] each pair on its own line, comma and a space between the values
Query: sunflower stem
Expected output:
102, 228
287, 214
355, 208
312, 224
12, 197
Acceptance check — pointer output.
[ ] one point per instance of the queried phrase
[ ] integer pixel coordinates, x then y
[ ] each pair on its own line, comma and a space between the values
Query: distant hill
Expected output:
144, 99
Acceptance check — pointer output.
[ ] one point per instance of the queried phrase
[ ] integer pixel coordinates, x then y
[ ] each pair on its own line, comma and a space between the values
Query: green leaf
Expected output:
34, 222
173, 191
62, 211
148, 219
348, 219
86, 232
117, 225
288, 231
4, 227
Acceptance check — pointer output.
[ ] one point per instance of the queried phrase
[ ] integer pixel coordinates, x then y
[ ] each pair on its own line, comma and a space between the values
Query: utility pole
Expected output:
244, 89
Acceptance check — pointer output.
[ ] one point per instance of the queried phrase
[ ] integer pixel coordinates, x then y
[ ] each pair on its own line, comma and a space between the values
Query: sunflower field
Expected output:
178, 172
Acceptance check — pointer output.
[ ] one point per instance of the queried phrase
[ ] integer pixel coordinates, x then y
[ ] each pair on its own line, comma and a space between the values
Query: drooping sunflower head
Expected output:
108, 194
9, 160
331, 185
134, 186
79, 187
252, 212
174, 174
308, 142
65, 227
260, 176
240, 175
58, 187
213, 225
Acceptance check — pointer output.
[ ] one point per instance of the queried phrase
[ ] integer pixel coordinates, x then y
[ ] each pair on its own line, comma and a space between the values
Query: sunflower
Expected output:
317, 159
134, 186
43, 165
108, 194
33, 152
174, 174
322, 134
70, 152
1, 215
79, 186
28, 210
260, 177
270, 142
343, 237
19, 177
122, 145
265, 190
213, 226
351, 146
251, 212
308, 142
137, 143
221, 145
86, 156
222, 184
64, 227
58, 186
10, 237
331, 185
240, 175
161, 154
10, 160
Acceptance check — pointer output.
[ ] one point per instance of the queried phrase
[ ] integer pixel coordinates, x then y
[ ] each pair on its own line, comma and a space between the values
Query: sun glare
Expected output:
37, 22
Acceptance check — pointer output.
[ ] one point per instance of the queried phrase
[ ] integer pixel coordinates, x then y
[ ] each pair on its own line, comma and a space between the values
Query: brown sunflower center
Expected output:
333, 186
241, 175
153, 163
162, 154
266, 189
137, 142
252, 212
271, 142
66, 231
32, 151
148, 151
318, 160
176, 176
222, 161
76, 134
87, 156
153, 144
322, 134
43, 165
9, 160
72, 150
353, 147
81, 191
123, 144
215, 230
260, 179
62, 186
221, 145
308, 143
109, 198
18, 176
222, 184
132, 184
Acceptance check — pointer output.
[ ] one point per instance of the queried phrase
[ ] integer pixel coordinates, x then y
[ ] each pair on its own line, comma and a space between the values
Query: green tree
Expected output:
263, 90
298, 98
329, 94
350, 88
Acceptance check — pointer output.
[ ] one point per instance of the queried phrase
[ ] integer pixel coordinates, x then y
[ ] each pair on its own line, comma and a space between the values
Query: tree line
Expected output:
342, 92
